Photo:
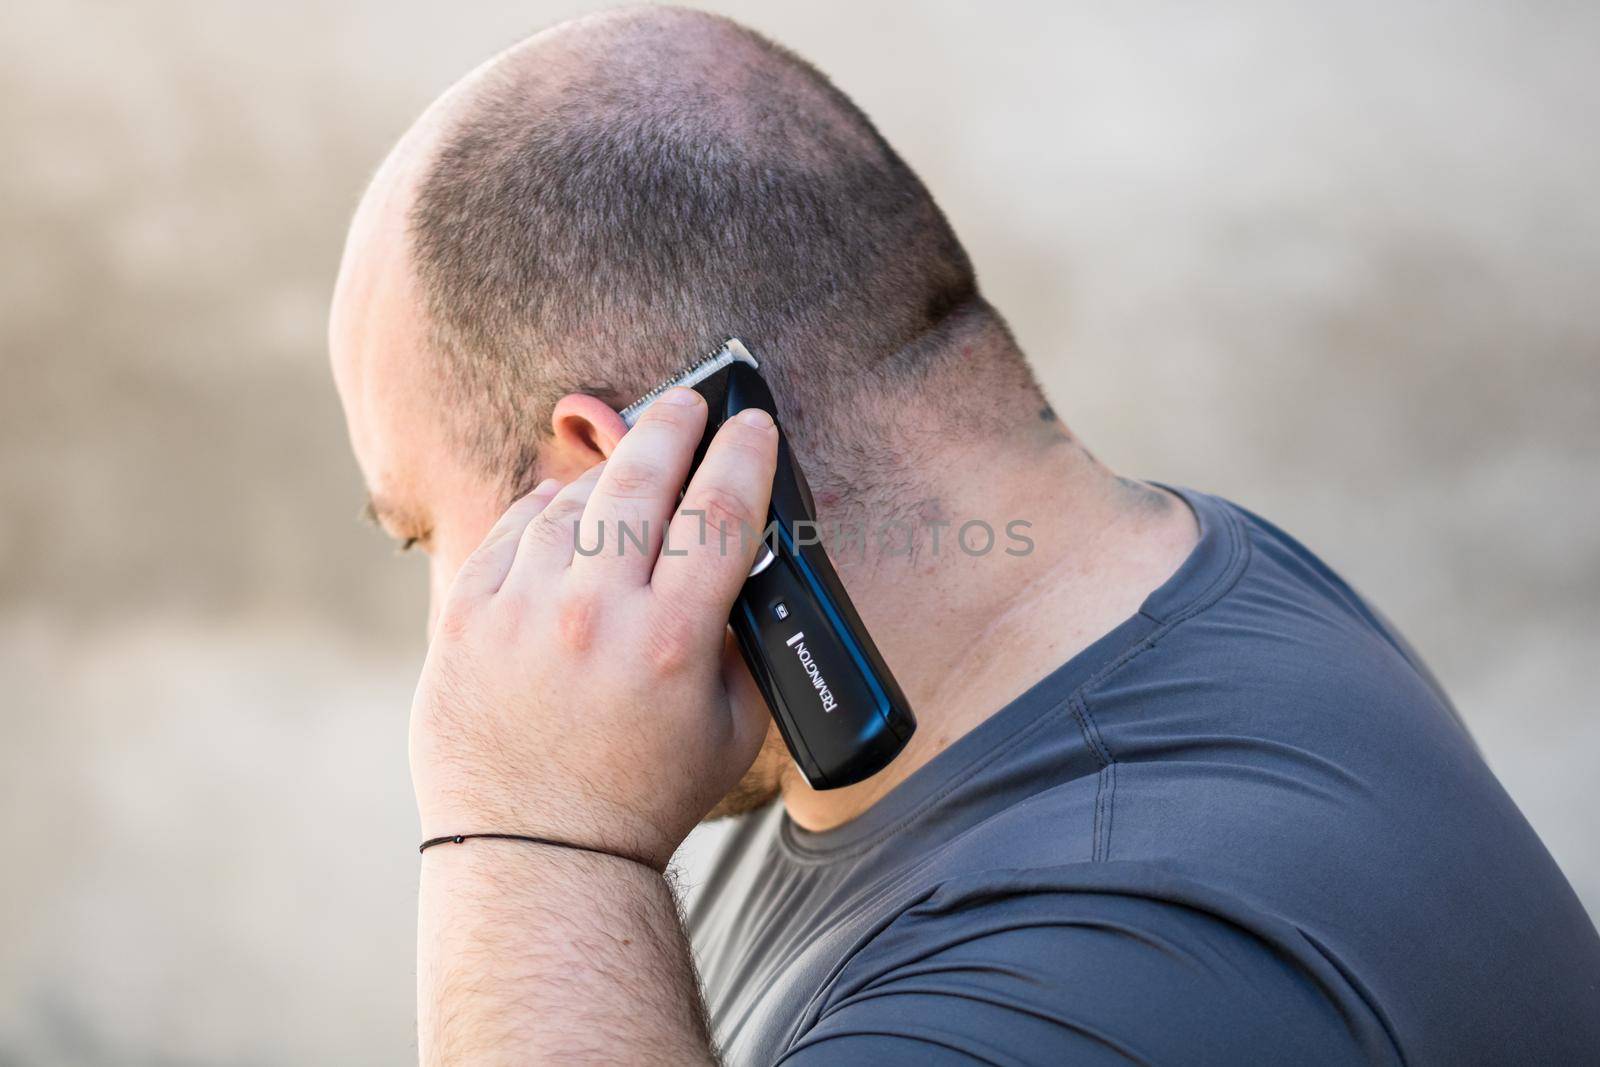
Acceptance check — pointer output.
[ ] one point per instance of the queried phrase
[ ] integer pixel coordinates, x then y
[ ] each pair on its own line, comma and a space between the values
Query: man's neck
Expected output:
967, 631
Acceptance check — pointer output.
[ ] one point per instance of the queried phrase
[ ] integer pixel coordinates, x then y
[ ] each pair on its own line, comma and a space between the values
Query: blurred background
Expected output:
1337, 261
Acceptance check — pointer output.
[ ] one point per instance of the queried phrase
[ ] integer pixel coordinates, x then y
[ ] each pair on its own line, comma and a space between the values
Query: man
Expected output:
1177, 793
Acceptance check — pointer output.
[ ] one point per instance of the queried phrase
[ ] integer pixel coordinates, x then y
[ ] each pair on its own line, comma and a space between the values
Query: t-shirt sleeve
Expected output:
1067, 977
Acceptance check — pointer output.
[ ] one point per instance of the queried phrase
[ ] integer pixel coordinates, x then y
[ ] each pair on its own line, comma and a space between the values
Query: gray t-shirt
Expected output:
1244, 826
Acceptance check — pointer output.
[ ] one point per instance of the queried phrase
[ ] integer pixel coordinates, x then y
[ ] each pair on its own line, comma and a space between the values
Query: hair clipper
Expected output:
839, 709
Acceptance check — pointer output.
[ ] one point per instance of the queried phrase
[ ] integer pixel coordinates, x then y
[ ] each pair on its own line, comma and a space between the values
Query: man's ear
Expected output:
584, 431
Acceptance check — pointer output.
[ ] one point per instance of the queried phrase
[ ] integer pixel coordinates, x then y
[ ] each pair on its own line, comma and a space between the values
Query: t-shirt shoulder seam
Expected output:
1104, 809
1233, 569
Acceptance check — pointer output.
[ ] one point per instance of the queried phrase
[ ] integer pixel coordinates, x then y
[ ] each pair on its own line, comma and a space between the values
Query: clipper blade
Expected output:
732, 351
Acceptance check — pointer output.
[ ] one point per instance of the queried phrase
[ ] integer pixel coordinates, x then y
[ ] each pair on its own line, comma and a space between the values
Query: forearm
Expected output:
527, 953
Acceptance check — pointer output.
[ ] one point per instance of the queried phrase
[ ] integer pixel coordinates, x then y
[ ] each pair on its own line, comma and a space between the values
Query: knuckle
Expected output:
745, 450
725, 507
668, 644
670, 415
567, 509
753, 440
555, 526
631, 478
577, 619
483, 556
455, 619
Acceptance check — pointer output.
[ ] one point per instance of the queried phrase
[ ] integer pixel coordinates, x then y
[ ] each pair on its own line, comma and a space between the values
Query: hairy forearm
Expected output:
527, 953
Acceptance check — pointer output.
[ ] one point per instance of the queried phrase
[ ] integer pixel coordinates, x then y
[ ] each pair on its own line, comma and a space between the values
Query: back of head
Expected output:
615, 198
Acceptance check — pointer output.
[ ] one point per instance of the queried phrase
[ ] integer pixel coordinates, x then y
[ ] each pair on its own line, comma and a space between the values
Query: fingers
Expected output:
622, 527
546, 546
714, 536
484, 571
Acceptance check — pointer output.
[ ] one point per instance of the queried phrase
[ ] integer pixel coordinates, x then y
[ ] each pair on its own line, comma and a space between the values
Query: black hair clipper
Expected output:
839, 709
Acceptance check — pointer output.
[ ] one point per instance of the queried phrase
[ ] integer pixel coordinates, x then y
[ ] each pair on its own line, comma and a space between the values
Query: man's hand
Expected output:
579, 695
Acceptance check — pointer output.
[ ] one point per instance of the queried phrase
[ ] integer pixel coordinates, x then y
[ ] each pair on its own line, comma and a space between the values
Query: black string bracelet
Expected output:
456, 839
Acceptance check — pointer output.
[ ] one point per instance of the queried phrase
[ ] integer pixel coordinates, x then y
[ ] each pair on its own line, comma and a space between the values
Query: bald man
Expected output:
1177, 795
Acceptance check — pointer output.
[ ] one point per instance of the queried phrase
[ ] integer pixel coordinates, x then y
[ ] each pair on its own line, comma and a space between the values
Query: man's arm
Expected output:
528, 952
580, 697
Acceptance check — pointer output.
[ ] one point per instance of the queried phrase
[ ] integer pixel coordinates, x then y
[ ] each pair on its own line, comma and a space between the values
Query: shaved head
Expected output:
613, 198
